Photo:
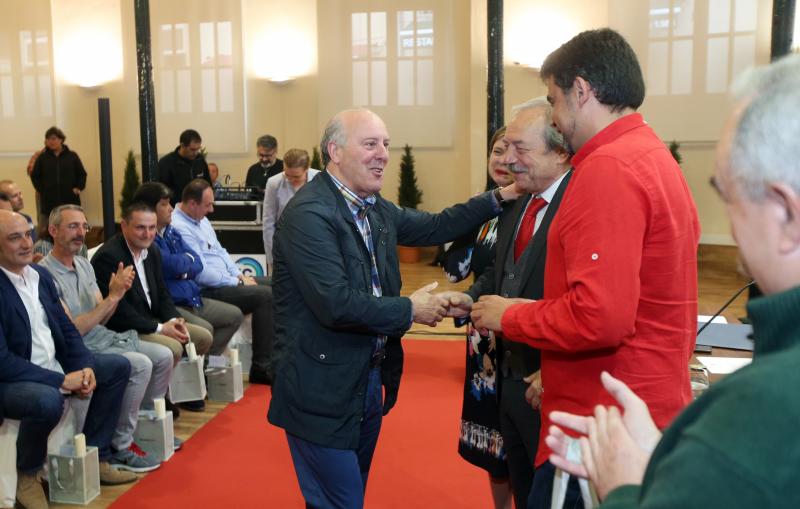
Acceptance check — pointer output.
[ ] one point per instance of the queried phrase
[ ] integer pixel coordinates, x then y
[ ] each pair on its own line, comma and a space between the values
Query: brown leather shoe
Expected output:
30, 493
111, 476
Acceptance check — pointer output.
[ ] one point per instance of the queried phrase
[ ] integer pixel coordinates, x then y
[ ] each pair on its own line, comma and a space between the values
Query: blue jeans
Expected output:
337, 478
38, 407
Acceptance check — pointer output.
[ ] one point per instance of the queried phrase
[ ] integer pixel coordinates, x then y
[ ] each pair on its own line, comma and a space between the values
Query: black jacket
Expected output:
175, 172
257, 176
132, 311
54, 177
326, 316
489, 283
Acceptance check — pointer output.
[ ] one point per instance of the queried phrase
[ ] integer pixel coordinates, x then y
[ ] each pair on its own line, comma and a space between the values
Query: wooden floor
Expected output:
719, 279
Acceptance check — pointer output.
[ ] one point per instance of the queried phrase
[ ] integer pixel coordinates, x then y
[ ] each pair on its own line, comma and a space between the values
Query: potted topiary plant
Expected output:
130, 182
409, 196
316, 162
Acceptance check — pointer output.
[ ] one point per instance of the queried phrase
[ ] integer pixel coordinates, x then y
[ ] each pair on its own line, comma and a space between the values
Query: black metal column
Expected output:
106, 170
147, 104
495, 90
783, 12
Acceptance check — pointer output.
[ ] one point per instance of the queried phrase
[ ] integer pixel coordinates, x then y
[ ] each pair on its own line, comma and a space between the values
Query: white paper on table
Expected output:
701, 319
724, 365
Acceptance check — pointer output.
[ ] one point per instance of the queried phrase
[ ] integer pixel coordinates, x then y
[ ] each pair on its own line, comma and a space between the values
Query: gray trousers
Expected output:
221, 318
256, 299
151, 369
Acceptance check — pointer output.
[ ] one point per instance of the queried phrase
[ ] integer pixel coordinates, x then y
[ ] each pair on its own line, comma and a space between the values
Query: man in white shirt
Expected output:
148, 307
43, 359
280, 189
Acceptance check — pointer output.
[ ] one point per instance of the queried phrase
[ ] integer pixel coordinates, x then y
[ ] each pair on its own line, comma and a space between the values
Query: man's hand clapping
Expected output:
120, 281
616, 448
428, 309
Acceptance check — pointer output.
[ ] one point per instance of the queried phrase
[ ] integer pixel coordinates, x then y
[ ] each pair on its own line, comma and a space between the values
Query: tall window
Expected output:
199, 73
26, 75
678, 32
216, 91
731, 41
414, 58
408, 64
671, 47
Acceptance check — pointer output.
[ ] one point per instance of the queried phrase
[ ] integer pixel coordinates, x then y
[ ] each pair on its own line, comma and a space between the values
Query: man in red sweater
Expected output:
620, 291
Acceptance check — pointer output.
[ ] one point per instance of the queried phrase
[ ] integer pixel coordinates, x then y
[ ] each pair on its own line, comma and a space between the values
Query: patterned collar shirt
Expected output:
360, 207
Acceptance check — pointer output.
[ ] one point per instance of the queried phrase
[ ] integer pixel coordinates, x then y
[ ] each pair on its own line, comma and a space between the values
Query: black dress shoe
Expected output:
193, 406
258, 376
176, 412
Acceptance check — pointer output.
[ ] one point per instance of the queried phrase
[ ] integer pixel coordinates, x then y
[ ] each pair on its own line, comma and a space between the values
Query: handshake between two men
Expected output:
431, 308
486, 315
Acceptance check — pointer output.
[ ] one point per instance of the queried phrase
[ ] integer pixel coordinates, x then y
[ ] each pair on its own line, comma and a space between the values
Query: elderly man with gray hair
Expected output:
538, 157
736, 446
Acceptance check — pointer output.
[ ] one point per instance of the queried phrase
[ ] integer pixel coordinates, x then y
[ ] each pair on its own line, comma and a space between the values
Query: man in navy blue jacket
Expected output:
43, 359
339, 315
181, 265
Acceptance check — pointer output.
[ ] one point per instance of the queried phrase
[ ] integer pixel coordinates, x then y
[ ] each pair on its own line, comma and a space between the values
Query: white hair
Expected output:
554, 140
765, 140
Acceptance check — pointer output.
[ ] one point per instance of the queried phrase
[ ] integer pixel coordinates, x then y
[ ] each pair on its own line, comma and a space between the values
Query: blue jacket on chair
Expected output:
180, 266
16, 341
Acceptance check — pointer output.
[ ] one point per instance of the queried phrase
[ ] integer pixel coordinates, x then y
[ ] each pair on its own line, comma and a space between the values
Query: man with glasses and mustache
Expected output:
151, 363
268, 163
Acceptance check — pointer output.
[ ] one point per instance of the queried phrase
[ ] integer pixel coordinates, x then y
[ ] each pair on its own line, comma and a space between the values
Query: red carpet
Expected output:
239, 460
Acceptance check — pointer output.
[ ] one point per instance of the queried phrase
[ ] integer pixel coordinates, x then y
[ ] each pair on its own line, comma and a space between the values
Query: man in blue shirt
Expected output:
181, 266
221, 278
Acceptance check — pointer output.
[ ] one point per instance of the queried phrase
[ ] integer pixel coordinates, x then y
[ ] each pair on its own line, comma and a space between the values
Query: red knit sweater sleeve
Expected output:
592, 278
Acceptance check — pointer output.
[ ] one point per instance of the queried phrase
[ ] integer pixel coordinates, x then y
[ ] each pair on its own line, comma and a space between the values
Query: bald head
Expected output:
16, 245
11, 189
357, 146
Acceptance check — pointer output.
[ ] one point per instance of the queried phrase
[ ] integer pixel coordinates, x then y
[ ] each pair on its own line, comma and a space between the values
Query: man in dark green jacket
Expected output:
338, 311
736, 446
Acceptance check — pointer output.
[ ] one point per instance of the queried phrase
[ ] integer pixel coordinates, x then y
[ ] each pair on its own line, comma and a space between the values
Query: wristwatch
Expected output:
499, 197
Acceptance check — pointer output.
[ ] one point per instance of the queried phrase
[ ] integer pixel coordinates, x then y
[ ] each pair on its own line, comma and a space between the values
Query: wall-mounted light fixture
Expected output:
87, 41
282, 55
534, 34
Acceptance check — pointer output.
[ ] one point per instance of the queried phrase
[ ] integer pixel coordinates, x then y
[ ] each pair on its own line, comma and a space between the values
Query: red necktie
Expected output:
526, 226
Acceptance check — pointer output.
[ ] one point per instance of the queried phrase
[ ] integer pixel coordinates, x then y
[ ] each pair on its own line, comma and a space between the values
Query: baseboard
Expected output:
717, 239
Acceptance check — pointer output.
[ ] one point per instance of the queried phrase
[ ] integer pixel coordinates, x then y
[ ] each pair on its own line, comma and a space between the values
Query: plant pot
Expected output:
408, 254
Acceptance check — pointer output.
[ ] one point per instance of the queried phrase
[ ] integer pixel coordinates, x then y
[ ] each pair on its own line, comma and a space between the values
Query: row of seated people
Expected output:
114, 328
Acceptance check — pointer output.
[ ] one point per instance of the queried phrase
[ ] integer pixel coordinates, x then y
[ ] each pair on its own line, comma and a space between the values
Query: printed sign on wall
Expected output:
252, 265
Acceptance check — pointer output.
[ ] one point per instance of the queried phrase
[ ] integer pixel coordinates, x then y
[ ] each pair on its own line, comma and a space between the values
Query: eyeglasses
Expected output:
75, 226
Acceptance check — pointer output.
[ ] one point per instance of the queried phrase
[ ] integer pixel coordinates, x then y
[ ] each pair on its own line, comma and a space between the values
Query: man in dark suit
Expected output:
539, 160
147, 307
338, 311
42, 359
